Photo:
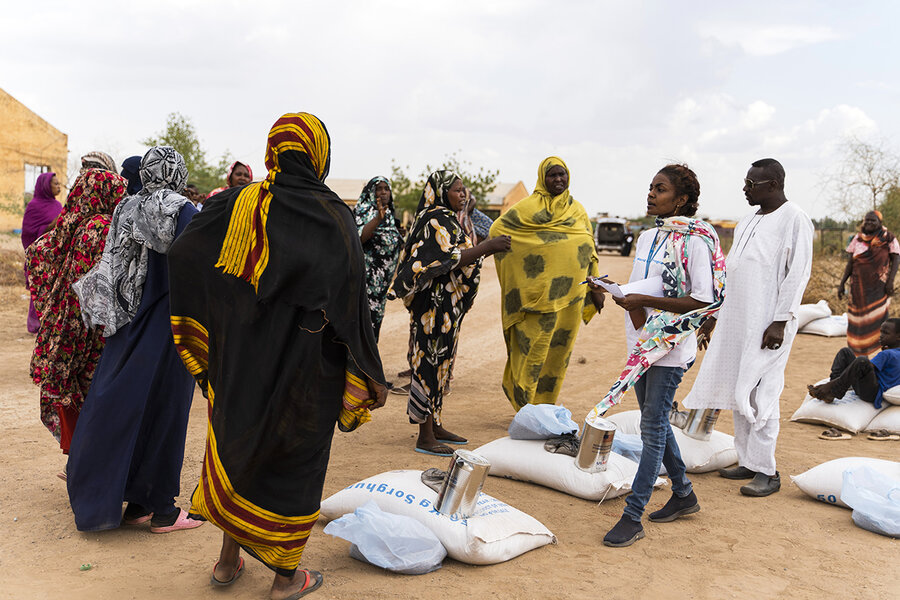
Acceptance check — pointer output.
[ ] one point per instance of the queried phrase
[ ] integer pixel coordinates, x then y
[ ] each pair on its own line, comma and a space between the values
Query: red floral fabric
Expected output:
66, 352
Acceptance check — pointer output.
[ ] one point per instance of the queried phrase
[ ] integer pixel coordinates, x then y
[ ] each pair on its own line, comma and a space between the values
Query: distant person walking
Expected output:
40, 215
542, 300
380, 237
743, 370
871, 268
66, 352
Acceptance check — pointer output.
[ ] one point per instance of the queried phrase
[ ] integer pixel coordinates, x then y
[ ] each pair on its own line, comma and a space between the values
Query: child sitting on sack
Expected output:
868, 378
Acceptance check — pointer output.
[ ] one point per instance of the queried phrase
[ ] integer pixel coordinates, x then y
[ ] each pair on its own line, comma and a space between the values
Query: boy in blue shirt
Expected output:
868, 378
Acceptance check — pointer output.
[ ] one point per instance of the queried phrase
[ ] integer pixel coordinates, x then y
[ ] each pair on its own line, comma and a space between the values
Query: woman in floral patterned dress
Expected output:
66, 352
374, 214
437, 280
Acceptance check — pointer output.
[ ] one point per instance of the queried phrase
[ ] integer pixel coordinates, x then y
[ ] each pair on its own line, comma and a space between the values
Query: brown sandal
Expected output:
834, 434
882, 435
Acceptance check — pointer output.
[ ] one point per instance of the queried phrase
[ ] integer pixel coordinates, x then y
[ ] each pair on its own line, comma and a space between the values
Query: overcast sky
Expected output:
616, 89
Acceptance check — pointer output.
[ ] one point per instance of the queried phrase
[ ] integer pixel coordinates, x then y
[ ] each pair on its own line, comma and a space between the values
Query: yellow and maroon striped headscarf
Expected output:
245, 251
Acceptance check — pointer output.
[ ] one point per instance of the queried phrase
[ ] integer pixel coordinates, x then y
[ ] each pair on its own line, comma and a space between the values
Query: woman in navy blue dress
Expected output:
129, 443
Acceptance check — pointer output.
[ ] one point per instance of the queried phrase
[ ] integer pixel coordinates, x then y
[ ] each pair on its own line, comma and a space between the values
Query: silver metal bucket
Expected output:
701, 423
595, 445
465, 478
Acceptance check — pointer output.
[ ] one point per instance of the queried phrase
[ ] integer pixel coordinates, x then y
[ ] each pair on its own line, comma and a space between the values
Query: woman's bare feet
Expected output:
301, 583
821, 392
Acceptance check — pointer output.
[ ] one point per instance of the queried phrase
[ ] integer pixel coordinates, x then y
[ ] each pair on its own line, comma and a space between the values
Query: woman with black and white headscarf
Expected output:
129, 443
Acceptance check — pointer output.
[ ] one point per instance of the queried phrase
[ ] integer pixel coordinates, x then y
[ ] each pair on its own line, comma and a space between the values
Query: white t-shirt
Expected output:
700, 287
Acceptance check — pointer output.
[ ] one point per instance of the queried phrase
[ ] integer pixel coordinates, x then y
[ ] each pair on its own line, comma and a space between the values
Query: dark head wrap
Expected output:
131, 170
433, 246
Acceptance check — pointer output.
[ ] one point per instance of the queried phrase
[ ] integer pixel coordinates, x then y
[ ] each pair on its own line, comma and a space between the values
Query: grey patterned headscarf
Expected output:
111, 292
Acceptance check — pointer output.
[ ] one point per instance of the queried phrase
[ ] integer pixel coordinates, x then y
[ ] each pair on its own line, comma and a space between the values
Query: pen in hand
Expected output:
588, 280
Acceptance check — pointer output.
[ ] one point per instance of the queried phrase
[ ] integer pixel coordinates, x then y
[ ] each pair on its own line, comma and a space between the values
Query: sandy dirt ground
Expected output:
784, 546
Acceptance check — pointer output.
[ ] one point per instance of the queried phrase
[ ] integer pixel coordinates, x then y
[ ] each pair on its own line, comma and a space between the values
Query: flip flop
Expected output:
454, 442
237, 573
436, 450
400, 390
182, 522
834, 434
306, 587
882, 435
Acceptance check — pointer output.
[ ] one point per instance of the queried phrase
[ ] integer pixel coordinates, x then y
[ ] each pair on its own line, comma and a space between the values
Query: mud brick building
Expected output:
29, 146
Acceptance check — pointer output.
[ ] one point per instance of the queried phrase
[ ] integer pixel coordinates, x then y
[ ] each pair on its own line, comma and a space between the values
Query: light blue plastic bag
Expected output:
874, 498
541, 421
394, 542
630, 446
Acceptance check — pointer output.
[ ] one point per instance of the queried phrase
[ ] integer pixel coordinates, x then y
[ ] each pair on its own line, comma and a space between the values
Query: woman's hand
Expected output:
889, 287
382, 210
501, 243
598, 298
377, 394
704, 333
632, 302
840, 290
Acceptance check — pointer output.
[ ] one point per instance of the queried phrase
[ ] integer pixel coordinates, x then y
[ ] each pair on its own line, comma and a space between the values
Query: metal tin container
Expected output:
595, 445
465, 478
701, 423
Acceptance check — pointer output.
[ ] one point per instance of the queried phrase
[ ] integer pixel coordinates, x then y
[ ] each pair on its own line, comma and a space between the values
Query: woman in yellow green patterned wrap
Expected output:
543, 301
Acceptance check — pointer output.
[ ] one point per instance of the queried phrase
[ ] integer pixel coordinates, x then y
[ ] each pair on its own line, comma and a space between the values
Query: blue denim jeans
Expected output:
655, 393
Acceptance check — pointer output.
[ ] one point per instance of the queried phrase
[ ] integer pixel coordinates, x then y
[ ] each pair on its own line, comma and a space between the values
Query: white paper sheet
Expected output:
652, 286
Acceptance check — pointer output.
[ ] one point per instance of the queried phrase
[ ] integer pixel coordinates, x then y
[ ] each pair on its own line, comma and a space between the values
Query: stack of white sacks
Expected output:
817, 319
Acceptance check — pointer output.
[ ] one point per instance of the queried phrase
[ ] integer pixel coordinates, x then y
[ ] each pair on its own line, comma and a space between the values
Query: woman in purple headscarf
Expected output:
40, 215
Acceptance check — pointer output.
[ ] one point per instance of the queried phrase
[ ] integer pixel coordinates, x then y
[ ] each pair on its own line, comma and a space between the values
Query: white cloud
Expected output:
766, 39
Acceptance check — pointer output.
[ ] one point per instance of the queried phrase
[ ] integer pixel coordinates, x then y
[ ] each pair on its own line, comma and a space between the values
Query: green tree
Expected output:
407, 193
890, 210
181, 134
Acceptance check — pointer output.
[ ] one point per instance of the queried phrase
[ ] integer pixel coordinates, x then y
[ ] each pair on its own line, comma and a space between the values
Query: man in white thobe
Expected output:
766, 273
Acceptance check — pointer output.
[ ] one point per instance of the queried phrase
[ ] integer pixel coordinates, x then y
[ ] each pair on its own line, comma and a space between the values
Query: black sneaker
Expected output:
737, 473
676, 507
762, 485
625, 533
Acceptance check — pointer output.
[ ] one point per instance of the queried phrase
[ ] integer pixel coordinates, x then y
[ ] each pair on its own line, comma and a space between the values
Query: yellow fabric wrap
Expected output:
540, 280
241, 238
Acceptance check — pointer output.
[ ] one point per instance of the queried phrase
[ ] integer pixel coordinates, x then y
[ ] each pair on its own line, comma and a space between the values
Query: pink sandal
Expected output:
182, 522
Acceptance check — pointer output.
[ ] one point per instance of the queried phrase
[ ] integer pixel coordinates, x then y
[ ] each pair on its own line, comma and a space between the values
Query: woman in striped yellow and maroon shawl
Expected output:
269, 313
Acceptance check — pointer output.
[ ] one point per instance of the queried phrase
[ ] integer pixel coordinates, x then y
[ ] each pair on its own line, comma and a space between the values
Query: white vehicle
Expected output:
613, 234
